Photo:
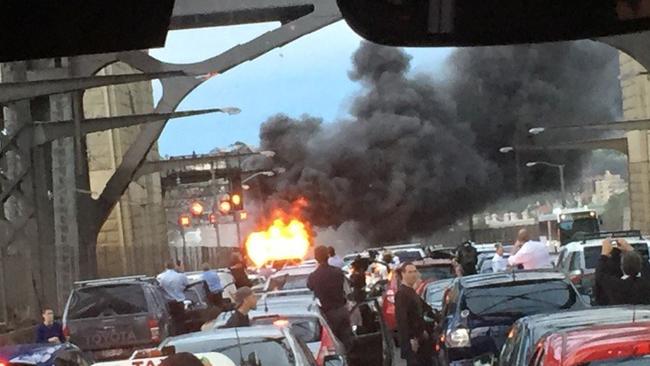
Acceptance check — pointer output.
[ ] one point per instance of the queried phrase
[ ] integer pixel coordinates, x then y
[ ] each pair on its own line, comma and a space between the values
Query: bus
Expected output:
569, 225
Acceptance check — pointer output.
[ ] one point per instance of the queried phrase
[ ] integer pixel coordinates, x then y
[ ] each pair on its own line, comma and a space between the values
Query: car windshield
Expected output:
306, 329
92, 302
519, 298
432, 273
288, 282
269, 351
408, 255
575, 229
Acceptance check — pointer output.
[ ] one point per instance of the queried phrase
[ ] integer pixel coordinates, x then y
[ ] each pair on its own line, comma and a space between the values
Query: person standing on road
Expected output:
327, 282
49, 331
633, 287
499, 264
416, 345
528, 253
467, 257
245, 301
174, 283
215, 288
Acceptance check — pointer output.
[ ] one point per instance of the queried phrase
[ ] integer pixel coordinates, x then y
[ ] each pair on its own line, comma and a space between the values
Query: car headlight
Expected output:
458, 338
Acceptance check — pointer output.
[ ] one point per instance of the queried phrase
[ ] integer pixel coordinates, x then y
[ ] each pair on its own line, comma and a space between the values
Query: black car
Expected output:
525, 333
479, 310
110, 318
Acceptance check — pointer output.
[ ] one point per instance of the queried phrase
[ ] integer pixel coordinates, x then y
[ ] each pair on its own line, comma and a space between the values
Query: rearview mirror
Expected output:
491, 22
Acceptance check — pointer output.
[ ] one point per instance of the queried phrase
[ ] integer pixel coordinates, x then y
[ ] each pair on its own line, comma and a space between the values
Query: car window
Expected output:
408, 255
575, 262
269, 351
288, 282
519, 298
429, 273
305, 352
306, 329
509, 350
435, 293
110, 300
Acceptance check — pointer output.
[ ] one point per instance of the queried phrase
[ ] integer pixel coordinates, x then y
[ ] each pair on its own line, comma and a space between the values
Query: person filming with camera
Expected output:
621, 276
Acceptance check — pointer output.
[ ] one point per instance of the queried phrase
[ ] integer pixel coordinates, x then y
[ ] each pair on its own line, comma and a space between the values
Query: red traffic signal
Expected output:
184, 221
196, 209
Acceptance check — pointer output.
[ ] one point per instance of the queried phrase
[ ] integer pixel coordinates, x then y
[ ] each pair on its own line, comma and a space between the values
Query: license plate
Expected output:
109, 353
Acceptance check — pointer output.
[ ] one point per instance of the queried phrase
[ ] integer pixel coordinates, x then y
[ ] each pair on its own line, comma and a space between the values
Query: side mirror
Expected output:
334, 360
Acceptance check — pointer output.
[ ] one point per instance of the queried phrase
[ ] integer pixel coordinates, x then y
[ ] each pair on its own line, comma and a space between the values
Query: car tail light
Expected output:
327, 347
154, 328
390, 296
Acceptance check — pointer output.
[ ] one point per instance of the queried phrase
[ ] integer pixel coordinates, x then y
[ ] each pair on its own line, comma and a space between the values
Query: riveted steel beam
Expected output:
619, 144
48, 131
181, 164
628, 125
13, 91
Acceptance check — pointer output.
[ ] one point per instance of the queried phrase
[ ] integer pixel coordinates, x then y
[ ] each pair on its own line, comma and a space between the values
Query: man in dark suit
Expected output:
415, 343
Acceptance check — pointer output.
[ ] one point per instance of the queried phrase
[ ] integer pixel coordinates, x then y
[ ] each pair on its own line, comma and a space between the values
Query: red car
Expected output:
618, 344
430, 270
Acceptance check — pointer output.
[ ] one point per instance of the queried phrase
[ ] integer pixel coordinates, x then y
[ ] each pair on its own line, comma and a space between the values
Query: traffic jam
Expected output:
288, 302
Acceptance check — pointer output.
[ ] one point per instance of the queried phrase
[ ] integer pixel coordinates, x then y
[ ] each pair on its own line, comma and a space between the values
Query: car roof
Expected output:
254, 331
579, 344
431, 262
440, 283
488, 279
576, 318
294, 271
292, 309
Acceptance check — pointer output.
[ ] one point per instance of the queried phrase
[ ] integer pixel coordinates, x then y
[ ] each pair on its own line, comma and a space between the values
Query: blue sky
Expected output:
308, 75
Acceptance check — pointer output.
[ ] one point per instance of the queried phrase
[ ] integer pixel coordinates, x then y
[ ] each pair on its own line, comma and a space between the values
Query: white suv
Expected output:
578, 259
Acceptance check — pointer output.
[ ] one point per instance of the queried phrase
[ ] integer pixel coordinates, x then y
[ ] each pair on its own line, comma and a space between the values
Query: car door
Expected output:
372, 342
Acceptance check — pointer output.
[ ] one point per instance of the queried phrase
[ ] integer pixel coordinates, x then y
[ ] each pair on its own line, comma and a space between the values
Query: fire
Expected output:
279, 241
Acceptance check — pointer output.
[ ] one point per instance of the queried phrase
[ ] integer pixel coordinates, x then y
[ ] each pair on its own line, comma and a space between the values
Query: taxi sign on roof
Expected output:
208, 359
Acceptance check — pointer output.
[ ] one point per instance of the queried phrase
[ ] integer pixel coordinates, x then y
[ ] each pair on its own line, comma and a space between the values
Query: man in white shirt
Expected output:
173, 283
531, 254
499, 264
334, 260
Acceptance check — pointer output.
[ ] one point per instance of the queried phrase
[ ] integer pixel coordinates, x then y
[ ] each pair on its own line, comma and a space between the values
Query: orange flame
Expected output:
279, 241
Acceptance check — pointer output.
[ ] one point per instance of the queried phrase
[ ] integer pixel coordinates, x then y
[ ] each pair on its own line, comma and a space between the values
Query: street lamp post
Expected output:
518, 181
560, 167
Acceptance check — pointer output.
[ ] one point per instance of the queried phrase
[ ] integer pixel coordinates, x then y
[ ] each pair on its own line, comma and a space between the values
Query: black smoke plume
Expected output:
417, 154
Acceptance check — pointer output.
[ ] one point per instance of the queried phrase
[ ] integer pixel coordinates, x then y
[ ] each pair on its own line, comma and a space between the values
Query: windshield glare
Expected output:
288, 282
520, 299
306, 329
269, 351
93, 302
572, 229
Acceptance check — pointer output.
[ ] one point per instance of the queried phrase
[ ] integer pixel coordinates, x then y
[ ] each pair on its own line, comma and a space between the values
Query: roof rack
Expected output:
611, 234
112, 280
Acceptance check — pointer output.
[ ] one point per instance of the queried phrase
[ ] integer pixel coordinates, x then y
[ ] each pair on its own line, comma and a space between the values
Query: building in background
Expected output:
134, 239
635, 87
606, 186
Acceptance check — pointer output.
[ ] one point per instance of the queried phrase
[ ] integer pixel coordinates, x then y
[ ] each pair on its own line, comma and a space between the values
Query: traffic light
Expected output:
236, 193
212, 218
196, 209
224, 204
184, 220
